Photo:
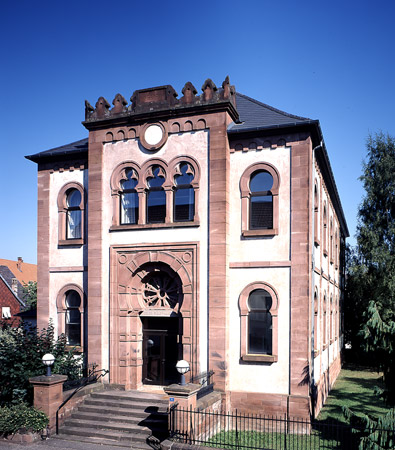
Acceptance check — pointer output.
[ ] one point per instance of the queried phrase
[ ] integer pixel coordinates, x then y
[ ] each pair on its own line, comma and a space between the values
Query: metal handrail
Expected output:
89, 379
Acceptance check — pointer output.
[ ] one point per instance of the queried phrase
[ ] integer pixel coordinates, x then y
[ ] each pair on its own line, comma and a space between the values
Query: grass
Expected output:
354, 388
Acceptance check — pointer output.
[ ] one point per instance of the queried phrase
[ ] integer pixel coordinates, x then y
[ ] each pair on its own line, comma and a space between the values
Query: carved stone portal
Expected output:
150, 281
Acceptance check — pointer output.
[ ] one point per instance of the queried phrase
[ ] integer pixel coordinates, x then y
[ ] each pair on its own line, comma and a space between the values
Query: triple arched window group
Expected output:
155, 193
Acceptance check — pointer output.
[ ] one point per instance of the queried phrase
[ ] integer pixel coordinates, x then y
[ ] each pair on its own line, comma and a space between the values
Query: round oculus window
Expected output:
153, 135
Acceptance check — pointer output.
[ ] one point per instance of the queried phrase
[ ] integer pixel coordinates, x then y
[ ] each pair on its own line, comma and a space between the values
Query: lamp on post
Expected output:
48, 360
182, 367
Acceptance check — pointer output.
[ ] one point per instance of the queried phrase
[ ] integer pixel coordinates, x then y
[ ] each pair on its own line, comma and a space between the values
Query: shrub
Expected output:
21, 417
21, 352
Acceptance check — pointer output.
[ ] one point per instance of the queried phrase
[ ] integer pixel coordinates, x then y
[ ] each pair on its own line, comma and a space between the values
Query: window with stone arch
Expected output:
70, 309
316, 214
331, 317
258, 305
71, 207
331, 245
324, 322
126, 192
336, 256
316, 321
325, 228
259, 186
129, 198
155, 194
185, 177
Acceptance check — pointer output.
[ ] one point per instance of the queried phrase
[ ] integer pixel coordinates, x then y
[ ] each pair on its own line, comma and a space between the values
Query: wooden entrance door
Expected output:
160, 350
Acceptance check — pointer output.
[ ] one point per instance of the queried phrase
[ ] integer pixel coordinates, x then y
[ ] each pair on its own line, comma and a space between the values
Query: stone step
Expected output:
101, 441
105, 417
135, 396
149, 407
113, 435
97, 409
117, 426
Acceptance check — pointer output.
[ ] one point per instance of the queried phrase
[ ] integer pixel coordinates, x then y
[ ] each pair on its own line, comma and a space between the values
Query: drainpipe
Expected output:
313, 331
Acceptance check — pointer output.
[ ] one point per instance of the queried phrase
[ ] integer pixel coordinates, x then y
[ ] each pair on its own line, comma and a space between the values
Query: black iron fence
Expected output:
247, 431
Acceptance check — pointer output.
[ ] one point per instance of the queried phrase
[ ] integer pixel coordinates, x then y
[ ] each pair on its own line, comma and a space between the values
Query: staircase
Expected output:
132, 419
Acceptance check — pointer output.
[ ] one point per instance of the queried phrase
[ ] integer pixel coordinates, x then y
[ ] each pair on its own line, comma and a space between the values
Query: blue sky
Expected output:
332, 61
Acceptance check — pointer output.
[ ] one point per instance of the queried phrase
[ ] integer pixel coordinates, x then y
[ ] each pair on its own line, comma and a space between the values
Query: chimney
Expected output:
19, 263
14, 286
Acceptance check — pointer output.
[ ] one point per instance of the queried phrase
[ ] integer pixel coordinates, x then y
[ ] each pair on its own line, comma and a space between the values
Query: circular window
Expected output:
153, 136
161, 290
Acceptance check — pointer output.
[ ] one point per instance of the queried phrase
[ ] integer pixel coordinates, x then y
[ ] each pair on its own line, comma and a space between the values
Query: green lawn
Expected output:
354, 388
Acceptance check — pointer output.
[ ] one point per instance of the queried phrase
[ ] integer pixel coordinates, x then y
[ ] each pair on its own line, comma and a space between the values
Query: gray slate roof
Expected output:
76, 147
253, 115
257, 115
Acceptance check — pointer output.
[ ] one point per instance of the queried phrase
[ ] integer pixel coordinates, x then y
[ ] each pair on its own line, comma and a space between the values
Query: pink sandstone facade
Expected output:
202, 227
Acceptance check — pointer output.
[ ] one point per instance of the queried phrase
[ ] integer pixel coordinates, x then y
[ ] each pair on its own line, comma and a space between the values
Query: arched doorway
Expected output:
161, 291
153, 313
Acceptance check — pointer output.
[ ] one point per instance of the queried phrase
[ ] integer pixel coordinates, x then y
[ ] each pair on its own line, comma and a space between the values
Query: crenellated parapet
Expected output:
161, 99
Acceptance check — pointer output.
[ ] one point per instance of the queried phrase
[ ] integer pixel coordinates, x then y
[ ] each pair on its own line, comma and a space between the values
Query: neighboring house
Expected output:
206, 228
10, 304
14, 274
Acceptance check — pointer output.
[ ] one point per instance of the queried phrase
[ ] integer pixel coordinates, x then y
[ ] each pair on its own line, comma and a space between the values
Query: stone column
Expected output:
48, 395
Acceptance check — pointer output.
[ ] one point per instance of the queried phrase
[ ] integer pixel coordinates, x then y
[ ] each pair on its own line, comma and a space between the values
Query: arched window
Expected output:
316, 212
258, 303
324, 322
316, 331
331, 320
74, 214
325, 229
73, 318
261, 201
129, 199
259, 186
259, 323
71, 203
70, 308
184, 194
331, 249
156, 195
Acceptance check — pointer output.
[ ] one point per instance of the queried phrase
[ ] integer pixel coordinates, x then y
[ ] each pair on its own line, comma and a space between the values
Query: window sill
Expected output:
74, 348
253, 233
154, 226
70, 242
260, 358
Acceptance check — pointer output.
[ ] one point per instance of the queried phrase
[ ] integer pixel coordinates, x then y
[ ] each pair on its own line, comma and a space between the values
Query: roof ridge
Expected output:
265, 105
